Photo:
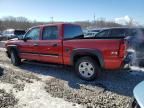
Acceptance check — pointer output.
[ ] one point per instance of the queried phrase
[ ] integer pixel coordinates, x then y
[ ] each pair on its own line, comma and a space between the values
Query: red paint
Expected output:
59, 54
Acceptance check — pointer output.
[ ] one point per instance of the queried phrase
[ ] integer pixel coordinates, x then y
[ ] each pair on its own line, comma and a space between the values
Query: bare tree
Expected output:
24, 23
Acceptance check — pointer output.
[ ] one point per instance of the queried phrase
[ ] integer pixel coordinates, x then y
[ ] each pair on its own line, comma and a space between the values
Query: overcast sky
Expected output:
73, 10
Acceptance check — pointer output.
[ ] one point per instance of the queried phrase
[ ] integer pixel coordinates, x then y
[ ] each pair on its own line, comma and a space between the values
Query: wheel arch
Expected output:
10, 48
93, 53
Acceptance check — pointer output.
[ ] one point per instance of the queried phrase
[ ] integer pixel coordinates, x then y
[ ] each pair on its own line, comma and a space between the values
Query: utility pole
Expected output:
94, 23
52, 19
94, 18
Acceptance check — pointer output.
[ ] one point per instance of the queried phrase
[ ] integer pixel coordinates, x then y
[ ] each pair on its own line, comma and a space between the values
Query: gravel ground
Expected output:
7, 100
89, 97
2, 44
60, 86
20, 88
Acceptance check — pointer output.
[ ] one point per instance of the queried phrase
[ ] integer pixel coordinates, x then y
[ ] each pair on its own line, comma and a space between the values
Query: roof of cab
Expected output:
54, 24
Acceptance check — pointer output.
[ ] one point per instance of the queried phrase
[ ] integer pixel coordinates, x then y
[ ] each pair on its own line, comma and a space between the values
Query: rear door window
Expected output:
50, 33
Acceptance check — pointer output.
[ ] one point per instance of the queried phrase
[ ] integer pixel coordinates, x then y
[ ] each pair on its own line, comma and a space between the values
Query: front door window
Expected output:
33, 34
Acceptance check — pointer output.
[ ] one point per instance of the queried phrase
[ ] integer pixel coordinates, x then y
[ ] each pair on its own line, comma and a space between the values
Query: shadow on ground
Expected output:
120, 82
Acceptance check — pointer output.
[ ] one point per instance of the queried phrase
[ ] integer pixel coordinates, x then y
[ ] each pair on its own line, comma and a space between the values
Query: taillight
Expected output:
122, 49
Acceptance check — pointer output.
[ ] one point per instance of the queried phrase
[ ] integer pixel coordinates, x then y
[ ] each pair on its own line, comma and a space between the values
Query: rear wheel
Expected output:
15, 60
87, 68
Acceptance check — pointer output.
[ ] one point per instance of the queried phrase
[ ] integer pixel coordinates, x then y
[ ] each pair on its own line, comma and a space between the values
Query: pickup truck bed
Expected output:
106, 51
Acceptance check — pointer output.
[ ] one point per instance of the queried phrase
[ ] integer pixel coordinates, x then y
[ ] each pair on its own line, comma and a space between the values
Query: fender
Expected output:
88, 51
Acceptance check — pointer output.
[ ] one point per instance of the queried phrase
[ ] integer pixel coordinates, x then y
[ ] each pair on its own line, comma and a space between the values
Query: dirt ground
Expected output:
37, 85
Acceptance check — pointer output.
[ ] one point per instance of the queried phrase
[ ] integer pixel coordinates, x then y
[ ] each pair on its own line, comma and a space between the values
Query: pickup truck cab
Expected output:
65, 44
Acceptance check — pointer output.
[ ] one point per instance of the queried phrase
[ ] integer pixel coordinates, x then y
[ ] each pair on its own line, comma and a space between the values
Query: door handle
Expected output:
35, 44
55, 45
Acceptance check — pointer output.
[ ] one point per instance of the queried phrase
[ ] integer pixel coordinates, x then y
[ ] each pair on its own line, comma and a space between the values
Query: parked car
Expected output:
13, 33
134, 37
139, 96
92, 32
120, 32
65, 44
132, 34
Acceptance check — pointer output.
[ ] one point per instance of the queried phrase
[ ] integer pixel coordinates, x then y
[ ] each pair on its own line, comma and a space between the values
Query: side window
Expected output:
118, 33
104, 33
33, 34
73, 32
50, 33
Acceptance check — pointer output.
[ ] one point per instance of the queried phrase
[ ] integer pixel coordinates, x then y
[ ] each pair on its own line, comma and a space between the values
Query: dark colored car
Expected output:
120, 32
65, 44
135, 40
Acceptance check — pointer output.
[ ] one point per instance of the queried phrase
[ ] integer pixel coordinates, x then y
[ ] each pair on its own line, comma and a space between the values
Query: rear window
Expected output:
19, 32
73, 32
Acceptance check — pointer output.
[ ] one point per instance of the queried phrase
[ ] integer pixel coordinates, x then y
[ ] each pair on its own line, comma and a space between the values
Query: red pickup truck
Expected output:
65, 44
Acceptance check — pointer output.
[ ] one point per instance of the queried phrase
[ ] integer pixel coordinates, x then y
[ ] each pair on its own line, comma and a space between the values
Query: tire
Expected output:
135, 104
87, 68
15, 60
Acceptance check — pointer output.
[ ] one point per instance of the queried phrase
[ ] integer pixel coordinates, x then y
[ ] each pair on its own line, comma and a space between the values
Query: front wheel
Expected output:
15, 60
87, 68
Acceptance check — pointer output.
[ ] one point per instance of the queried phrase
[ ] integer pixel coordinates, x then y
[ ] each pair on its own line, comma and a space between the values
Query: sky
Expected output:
74, 10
